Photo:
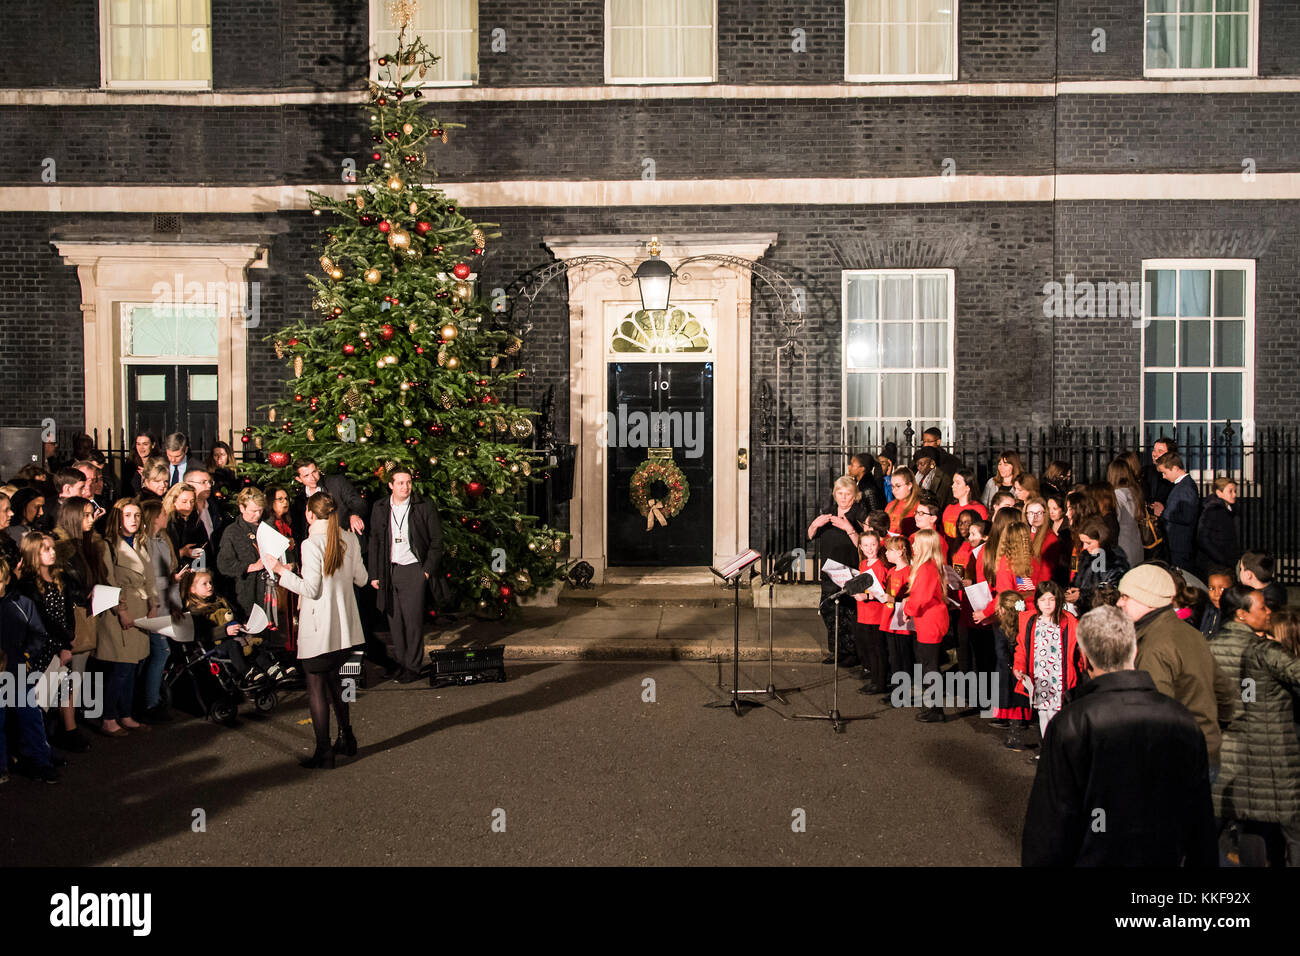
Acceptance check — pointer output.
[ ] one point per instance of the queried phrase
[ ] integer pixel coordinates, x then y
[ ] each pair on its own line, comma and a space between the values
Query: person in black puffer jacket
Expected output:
1099, 563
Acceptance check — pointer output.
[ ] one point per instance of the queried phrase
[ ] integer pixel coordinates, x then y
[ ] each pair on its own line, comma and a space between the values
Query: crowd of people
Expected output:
179, 540
1109, 617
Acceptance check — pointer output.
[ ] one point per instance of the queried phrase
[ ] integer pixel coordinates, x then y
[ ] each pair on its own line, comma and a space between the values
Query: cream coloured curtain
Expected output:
166, 42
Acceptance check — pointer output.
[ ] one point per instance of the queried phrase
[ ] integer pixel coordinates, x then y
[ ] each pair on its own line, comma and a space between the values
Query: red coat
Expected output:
1007, 581
927, 605
900, 521
976, 564
1075, 663
896, 586
1047, 558
943, 544
869, 611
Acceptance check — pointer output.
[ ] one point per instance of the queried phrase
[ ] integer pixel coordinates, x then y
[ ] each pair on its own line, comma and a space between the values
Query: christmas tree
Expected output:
403, 366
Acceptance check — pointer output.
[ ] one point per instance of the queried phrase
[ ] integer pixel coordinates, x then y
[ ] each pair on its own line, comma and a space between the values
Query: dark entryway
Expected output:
662, 405
168, 398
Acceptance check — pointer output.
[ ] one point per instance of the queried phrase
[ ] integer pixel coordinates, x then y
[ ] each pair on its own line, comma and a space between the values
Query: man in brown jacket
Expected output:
1176, 655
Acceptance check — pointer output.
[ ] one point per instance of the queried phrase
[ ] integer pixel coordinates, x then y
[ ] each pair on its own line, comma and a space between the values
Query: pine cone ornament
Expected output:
297, 366
352, 398
513, 346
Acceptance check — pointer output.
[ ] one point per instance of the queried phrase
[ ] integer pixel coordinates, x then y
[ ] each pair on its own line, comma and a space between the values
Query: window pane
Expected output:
931, 395
863, 51
697, 12
1160, 43
932, 345
203, 388
861, 350
1194, 347
1162, 6
1193, 395
1231, 39
897, 306
660, 53
897, 345
932, 297
1229, 292
934, 51
897, 398
625, 13
1160, 347
861, 401
1161, 291
900, 49
1194, 293
1159, 388
625, 54
1242, 5
861, 296
697, 52
1229, 343
151, 388
1227, 396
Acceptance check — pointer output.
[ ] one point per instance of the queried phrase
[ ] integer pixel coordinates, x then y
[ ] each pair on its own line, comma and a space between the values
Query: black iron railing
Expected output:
794, 479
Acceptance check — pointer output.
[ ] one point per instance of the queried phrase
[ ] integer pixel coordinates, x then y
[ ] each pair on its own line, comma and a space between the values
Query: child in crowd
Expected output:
215, 626
23, 641
1048, 657
1012, 707
927, 606
974, 639
898, 555
867, 635
1218, 581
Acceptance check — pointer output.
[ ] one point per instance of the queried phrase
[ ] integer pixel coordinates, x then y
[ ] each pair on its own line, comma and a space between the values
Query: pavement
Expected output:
649, 622
575, 762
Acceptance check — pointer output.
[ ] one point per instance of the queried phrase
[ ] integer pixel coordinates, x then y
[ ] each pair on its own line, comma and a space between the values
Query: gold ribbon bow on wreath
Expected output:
663, 471
656, 513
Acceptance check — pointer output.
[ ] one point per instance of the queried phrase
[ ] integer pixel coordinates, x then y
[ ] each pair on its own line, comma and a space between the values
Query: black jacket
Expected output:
873, 499
1155, 486
425, 540
1106, 567
1180, 517
238, 551
1216, 536
1123, 781
346, 497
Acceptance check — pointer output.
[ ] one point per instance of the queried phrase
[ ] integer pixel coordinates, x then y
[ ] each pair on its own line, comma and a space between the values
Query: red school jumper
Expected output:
869, 611
927, 606
897, 588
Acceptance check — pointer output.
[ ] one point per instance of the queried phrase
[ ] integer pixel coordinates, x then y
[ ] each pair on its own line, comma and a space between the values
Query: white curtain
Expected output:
159, 41
448, 27
661, 39
900, 37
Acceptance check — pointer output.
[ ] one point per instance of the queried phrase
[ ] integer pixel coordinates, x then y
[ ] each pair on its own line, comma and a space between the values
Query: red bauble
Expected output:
437, 429
385, 226
385, 332
245, 439
460, 270
279, 458
419, 350
349, 348
477, 252
376, 157
475, 489
505, 590
343, 416
423, 227
293, 341
297, 398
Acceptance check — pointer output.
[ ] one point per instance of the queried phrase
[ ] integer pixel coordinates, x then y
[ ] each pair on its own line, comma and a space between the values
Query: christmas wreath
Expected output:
659, 471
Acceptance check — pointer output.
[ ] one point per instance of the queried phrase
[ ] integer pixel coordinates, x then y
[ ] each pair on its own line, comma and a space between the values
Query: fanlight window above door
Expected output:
660, 332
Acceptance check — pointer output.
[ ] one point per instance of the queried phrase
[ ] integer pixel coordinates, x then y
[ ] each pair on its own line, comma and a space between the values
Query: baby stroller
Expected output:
205, 684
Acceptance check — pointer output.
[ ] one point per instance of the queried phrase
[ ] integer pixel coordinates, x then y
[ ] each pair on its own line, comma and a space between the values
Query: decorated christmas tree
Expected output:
402, 364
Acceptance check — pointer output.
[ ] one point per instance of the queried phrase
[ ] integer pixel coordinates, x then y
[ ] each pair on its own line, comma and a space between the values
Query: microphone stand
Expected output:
737, 702
854, 586
780, 569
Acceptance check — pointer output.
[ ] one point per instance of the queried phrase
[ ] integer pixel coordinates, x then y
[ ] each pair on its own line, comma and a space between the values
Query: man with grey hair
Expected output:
1124, 777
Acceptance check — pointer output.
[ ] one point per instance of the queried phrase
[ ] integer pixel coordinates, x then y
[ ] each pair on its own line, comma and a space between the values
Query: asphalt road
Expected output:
579, 767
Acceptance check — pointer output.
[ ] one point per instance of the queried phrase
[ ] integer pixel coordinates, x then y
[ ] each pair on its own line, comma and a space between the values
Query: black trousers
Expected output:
406, 615
870, 643
930, 656
975, 650
901, 655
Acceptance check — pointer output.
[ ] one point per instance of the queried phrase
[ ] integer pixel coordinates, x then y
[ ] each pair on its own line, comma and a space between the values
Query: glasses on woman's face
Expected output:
1034, 512
924, 514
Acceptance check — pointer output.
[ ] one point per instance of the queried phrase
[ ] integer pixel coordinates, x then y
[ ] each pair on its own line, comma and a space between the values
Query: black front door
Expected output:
173, 398
667, 406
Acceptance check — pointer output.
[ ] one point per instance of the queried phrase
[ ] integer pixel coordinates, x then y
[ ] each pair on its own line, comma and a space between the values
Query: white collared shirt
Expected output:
399, 530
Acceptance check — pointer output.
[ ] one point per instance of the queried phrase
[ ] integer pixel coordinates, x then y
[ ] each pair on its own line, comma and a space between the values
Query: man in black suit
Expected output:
932, 478
1180, 511
1155, 487
207, 520
179, 461
405, 551
948, 463
351, 506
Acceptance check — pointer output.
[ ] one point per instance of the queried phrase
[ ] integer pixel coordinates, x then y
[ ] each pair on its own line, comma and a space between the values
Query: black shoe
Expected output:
828, 659
58, 760
48, 775
931, 717
321, 759
346, 744
1015, 741
73, 741
157, 715
999, 722
408, 677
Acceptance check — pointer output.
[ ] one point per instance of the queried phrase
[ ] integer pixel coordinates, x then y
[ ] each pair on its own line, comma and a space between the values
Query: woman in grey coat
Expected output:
1259, 774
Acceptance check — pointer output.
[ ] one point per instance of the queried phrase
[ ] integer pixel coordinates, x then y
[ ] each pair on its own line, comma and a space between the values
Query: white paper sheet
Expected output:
102, 598
838, 573
257, 621
980, 596
182, 630
270, 541
877, 593
952, 578
900, 620
1029, 687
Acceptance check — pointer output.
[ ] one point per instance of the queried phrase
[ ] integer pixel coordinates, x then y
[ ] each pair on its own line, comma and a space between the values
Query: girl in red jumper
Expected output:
963, 490
870, 641
1048, 656
927, 606
902, 510
899, 642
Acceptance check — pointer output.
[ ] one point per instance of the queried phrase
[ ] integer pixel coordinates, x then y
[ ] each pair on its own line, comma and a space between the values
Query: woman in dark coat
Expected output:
836, 532
1217, 545
1100, 562
1259, 772
239, 560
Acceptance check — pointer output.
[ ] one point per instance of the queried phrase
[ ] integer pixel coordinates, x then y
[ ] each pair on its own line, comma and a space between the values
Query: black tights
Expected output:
322, 691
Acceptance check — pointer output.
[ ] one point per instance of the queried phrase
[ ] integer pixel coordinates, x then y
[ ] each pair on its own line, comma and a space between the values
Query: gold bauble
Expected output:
390, 359
406, 422
326, 263
361, 201
500, 423
514, 468
311, 434
395, 183
480, 239
411, 252
433, 460
257, 442
336, 274
404, 386
449, 331
414, 208
464, 290
373, 276
399, 239
408, 129
413, 327
453, 362
528, 469
494, 361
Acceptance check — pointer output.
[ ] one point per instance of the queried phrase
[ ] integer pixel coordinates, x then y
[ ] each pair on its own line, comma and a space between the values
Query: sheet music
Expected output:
980, 596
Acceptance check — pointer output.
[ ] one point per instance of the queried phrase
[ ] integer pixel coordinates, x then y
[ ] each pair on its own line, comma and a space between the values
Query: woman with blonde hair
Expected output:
836, 532
154, 477
927, 606
907, 495
178, 510
329, 625
122, 645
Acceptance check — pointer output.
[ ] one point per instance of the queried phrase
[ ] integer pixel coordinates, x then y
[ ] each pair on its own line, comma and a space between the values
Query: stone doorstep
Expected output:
652, 595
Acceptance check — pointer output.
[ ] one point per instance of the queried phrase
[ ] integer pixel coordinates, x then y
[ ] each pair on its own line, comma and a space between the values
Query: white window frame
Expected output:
701, 310
1251, 69
951, 76
375, 52
106, 80
1246, 425
127, 361
657, 80
947, 423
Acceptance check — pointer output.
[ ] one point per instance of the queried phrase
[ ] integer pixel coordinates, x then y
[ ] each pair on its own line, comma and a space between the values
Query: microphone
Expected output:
856, 585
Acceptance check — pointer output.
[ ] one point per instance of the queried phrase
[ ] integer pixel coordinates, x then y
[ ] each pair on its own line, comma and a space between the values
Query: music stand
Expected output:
731, 574
780, 569
855, 585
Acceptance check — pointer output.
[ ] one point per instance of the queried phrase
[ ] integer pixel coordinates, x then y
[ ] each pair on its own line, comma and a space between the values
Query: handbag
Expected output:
1150, 534
86, 632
